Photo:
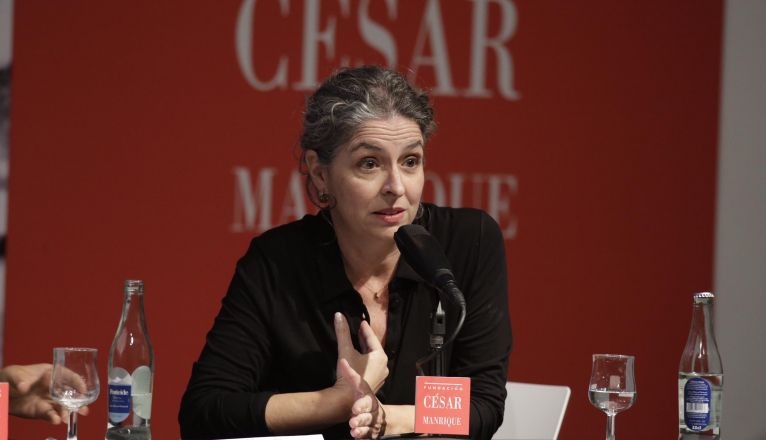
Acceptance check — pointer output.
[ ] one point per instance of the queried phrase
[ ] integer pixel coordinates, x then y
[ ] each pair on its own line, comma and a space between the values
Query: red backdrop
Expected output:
144, 146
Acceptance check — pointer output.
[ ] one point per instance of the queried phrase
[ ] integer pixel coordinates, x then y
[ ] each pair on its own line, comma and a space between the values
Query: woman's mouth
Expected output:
392, 215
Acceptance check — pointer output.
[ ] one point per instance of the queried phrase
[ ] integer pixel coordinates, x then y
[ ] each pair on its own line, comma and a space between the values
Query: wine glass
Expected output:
612, 387
74, 381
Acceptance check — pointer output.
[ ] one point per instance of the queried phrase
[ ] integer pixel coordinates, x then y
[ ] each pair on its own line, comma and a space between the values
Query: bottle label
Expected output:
697, 395
142, 392
119, 402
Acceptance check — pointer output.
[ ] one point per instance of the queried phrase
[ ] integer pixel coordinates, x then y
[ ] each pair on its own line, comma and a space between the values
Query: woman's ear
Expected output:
316, 170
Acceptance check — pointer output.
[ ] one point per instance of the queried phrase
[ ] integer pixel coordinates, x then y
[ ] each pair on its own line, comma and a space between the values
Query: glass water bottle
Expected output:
131, 371
700, 376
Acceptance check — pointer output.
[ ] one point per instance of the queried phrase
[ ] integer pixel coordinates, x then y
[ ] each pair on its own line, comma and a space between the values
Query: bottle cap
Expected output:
134, 286
703, 298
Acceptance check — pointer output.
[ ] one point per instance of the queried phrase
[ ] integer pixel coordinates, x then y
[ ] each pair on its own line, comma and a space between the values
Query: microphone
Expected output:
424, 254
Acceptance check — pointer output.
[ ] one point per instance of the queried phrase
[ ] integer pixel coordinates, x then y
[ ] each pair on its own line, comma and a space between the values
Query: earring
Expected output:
419, 214
324, 197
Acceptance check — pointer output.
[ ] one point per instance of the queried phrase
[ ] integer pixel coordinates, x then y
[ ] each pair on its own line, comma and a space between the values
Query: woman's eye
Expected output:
368, 163
412, 161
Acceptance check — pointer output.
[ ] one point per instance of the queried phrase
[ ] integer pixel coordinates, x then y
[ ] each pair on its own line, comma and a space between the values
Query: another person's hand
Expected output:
372, 363
368, 416
30, 393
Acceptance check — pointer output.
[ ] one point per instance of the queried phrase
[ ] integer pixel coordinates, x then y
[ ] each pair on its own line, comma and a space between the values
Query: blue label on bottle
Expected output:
119, 402
697, 403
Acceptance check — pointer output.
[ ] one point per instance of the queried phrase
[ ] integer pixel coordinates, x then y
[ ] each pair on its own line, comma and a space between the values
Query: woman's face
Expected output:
376, 178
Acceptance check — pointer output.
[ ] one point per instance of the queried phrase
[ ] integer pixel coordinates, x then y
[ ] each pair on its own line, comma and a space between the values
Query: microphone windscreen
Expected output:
422, 252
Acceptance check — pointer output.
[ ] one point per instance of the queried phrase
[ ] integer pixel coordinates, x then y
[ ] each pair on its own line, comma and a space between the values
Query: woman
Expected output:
280, 357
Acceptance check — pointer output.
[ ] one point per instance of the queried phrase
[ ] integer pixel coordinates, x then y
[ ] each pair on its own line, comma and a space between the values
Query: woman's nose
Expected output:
393, 184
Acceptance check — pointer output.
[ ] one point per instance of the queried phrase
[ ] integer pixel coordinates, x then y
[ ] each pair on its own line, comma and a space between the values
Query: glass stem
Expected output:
610, 426
71, 433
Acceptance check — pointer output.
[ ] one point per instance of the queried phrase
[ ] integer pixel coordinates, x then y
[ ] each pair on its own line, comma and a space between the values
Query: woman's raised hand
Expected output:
372, 364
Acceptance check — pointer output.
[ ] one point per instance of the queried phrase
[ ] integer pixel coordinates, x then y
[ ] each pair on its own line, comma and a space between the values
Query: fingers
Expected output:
13, 374
23, 387
351, 375
360, 420
46, 410
362, 432
58, 414
53, 416
23, 377
78, 382
371, 422
368, 339
83, 411
364, 411
71, 379
373, 364
364, 405
343, 334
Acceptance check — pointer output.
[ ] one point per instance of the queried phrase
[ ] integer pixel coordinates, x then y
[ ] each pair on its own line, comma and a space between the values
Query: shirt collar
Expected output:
329, 263
333, 281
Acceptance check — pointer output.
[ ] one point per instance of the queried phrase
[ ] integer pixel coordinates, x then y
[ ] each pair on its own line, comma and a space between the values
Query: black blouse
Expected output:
274, 332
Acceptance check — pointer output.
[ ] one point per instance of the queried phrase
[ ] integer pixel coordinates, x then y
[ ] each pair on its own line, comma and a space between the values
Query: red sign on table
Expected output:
442, 405
3, 411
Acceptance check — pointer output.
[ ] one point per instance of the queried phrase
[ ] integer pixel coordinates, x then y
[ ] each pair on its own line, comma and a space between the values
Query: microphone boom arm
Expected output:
457, 297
